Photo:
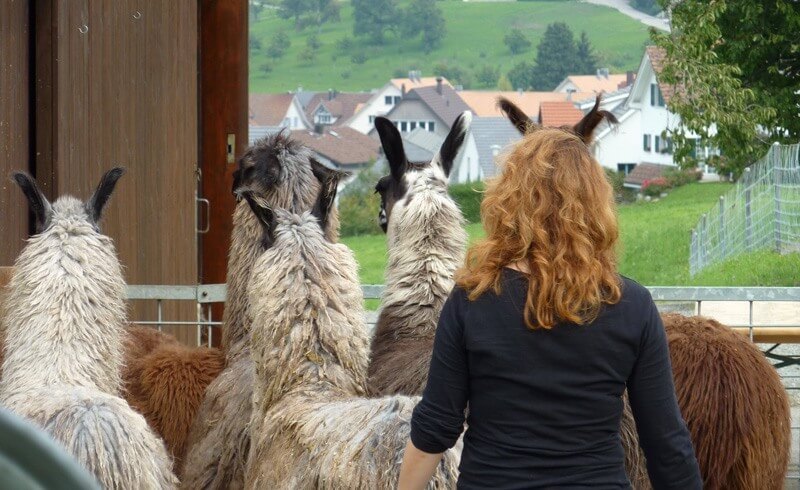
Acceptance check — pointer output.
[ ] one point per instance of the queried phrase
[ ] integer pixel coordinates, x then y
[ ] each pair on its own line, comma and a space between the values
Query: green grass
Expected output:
654, 249
474, 39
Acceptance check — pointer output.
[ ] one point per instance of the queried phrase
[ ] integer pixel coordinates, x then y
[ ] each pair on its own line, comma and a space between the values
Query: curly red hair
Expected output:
552, 209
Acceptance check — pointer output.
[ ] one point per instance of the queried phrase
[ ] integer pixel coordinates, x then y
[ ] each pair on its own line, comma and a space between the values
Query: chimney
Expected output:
570, 91
630, 76
403, 90
330, 94
520, 91
439, 85
319, 129
602, 73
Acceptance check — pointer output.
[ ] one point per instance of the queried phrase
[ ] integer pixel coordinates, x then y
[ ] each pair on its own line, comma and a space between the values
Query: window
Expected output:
658, 143
646, 142
371, 119
431, 126
667, 145
286, 122
625, 168
660, 98
403, 126
388, 100
653, 94
397, 99
412, 125
324, 119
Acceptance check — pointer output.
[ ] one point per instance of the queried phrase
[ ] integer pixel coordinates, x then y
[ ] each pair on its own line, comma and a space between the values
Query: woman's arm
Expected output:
438, 418
663, 435
417, 469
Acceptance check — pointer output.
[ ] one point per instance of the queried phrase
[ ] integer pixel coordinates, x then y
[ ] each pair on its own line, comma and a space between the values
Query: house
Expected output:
272, 112
559, 113
601, 82
333, 108
484, 102
341, 148
422, 145
491, 137
644, 123
387, 97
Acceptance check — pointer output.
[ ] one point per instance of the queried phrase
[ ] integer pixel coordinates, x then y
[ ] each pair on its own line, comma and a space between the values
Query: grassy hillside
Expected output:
474, 39
655, 246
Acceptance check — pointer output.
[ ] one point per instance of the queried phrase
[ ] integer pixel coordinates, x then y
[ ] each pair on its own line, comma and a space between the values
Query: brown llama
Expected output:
278, 172
427, 243
312, 426
731, 398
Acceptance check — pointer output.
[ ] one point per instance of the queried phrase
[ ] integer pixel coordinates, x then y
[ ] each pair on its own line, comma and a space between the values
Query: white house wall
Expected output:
622, 144
296, 118
467, 168
376, 106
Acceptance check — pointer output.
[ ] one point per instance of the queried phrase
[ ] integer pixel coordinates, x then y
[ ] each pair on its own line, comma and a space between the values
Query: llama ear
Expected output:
586, 126
514, 114
40, 206
329, 185
325, 174
392, 144
265, 217
98, 201
455, 139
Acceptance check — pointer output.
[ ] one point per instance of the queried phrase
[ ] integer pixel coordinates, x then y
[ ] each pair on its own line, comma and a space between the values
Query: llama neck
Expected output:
309, 334
426, 245
245, 249
65, 315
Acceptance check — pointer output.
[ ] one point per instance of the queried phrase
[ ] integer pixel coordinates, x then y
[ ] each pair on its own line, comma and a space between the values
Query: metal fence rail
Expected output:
761, 213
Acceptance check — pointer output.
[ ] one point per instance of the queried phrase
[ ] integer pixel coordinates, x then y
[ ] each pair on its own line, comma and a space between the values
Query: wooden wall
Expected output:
223, 82
14, 124
117, 86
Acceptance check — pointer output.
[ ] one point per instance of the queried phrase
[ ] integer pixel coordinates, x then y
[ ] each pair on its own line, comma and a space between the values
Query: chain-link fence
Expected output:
761, 213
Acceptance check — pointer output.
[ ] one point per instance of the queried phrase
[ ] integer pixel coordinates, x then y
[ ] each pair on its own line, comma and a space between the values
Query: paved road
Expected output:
622, 6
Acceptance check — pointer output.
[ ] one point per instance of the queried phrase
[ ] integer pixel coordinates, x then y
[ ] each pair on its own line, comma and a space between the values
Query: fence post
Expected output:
703, 239
776, 169
721, 225
692, 252
748, 217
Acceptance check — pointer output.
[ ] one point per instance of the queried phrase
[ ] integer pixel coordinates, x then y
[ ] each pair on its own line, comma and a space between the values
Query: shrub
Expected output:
517, 42
487, 77
654, 187
313, 42
677, 178
622, 194
279, 44
344, 44
265, 68
307, 55
359, 205
468, 197
358, 58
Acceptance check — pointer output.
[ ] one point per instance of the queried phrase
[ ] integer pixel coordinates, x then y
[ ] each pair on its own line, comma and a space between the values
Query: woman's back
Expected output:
545, 405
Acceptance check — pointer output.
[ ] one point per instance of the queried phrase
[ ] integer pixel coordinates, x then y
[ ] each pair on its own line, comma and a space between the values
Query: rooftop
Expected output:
598, 83
447, 105
268, 109
492, 136
343, 146
561, 113
484, 102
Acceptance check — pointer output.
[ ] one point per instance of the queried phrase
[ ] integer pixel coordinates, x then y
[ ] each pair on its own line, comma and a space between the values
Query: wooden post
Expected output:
748, 217
723, 246
776, 168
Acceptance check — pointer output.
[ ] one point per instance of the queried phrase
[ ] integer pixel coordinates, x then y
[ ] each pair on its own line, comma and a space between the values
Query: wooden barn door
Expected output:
117, 85
14, 124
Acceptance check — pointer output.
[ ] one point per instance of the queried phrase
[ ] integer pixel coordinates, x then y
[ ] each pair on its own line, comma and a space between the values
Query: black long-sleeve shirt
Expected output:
545, 405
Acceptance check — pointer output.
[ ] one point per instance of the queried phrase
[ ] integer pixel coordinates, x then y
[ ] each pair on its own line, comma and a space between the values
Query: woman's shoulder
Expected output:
632, 290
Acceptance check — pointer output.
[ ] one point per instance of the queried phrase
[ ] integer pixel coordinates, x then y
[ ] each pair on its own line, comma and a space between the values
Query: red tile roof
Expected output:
342, 145
645, 171
342, 106
268, 109
657, 56
556, 114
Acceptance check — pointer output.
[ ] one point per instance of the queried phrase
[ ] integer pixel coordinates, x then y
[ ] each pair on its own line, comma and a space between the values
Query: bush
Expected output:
359, 205
517, 42
454, 73
344, 44
279, 44
254, 43
265, 68
469, 197
655, 187
487, 77
313, 42
307, 55
677, 178
358, 58
622, 194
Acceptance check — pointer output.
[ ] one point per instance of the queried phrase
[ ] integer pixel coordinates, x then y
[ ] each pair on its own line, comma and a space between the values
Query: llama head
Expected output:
67, 208
279, 172
584, 128
322, 209
403, 175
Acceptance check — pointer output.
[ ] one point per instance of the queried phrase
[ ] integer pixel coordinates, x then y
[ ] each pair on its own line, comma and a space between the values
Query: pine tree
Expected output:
586, 59
556, 57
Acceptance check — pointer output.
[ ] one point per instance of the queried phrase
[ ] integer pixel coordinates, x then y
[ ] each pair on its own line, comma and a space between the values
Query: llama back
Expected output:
102, 432
427, 243
307, 442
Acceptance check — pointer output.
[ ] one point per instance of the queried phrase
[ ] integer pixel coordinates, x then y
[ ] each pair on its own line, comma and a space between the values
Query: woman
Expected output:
541, 336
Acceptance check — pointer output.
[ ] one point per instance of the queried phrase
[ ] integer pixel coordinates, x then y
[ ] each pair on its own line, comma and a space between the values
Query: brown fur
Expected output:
171, 385
734, 404
393, 355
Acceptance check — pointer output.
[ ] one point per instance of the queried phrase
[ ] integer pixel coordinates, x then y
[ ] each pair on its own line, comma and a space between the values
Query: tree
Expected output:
323, 11
279, 44
734, 66
517, 42
556, 57
294, 9
254, 43
487, 77
256, 7
586, 59
373, 18
454, 73
504, 84
521, 76
424, 16
313, 42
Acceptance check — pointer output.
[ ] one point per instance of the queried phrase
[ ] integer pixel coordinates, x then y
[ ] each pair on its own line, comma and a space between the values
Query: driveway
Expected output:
622, 6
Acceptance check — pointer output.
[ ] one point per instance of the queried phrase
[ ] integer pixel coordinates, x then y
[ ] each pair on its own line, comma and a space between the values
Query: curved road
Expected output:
622, 6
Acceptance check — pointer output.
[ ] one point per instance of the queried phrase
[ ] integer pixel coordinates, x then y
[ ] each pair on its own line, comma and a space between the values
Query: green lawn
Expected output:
474, 39
654, 249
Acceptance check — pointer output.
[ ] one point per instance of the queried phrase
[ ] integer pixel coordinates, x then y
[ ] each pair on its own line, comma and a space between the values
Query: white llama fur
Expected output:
312, 427
64, 326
